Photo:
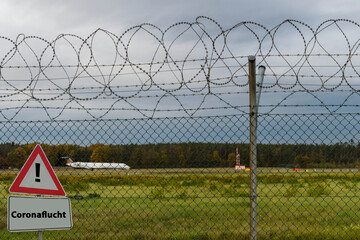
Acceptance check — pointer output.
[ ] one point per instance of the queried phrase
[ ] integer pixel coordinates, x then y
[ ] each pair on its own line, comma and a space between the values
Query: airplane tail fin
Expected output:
68, 160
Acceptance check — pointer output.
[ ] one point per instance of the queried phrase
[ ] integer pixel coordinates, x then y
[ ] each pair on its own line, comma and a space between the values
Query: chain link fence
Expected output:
182, 183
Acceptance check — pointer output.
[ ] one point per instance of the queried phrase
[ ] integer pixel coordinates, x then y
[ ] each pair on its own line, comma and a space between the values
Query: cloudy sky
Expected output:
48, 19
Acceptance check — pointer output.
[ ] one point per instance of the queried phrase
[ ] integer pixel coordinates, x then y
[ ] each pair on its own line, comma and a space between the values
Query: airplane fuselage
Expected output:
93, 165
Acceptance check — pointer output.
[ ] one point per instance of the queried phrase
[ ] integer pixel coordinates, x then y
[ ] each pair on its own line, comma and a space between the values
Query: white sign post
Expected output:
38, 213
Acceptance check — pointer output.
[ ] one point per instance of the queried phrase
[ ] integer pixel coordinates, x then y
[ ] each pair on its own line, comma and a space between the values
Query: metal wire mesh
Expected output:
188, 189
177, 117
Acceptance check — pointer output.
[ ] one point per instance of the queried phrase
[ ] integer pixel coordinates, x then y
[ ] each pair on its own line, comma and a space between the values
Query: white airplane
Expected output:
95, 165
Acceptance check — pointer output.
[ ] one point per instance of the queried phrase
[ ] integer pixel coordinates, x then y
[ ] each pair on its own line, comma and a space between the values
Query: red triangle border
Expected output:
15, 186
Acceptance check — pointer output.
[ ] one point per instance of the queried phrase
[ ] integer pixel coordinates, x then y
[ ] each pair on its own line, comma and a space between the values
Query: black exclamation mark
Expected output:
37, 172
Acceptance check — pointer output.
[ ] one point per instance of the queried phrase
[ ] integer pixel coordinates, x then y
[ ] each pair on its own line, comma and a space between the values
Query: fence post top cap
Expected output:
251, 58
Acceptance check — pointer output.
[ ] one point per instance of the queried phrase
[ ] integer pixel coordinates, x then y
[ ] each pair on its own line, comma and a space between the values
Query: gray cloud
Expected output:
82, 17
48, 19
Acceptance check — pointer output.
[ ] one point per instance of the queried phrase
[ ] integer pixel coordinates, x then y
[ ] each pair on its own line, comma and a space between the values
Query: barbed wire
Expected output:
196, 60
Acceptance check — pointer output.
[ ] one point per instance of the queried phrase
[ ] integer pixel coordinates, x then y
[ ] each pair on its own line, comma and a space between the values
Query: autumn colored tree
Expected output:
17, 157
100, 153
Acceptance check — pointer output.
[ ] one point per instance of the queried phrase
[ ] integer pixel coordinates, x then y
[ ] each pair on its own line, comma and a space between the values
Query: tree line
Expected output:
189, 155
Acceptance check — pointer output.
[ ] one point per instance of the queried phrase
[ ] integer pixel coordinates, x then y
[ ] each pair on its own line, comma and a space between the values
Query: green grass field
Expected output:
203, 204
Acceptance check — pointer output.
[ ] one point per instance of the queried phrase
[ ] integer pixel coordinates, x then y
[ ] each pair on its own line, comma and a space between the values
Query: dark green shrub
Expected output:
318, 190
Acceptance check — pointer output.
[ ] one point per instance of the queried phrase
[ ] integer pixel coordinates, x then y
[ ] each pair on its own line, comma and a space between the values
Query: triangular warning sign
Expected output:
37, 176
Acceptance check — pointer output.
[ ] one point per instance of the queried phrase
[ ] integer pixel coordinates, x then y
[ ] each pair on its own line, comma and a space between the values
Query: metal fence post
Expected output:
253, 149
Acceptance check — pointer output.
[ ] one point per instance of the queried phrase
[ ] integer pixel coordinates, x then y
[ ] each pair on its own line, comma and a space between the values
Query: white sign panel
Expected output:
38, 213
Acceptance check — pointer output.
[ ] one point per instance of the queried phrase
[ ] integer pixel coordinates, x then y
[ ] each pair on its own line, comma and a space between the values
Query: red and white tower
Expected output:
237, 165
237, 157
